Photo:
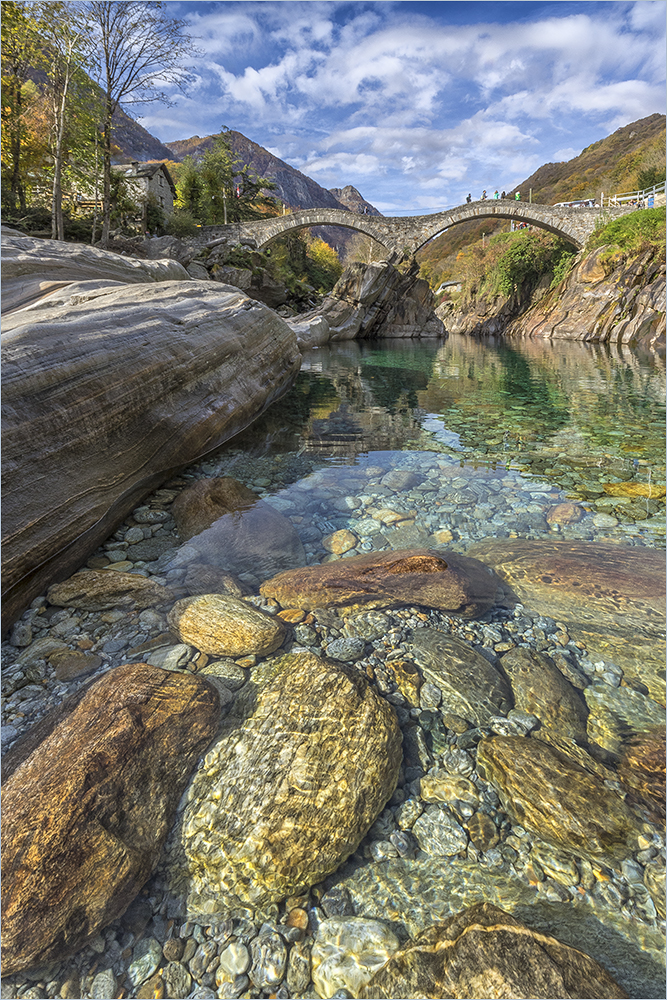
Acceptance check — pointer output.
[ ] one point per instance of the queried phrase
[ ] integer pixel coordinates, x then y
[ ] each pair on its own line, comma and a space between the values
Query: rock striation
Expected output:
306, 761
435, 579
88, 797
33, 269
484, 952
106, 392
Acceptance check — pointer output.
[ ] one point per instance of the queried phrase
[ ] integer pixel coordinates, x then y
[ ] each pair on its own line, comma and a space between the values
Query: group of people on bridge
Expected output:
517, 196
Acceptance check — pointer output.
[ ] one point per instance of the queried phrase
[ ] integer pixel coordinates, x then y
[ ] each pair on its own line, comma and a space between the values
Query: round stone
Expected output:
346, 953
347, 650
340, 542
227, 626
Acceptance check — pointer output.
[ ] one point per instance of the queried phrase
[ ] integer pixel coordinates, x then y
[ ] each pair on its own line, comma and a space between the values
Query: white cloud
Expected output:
385, 93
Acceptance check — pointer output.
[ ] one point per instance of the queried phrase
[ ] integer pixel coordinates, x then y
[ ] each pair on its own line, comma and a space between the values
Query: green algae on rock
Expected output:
304, 765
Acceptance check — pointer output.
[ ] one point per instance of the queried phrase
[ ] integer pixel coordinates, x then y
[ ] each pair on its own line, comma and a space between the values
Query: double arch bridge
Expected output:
403, 237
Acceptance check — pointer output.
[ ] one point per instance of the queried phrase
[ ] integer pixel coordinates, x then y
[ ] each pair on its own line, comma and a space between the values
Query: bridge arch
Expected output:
405, 236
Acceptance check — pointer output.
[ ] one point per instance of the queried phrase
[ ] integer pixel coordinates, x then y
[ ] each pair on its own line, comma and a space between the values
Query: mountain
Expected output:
350, 198
133, 142
611, 165
293, 188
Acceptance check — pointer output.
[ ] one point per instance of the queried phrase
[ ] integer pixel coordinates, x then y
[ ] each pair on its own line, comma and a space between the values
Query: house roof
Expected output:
149, 169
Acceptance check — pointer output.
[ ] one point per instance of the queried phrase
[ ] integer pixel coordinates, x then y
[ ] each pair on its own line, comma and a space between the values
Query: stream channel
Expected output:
441, 443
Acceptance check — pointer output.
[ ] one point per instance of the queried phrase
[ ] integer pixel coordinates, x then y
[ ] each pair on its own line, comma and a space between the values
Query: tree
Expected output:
20, 52
140, 50
220, 189
65, 42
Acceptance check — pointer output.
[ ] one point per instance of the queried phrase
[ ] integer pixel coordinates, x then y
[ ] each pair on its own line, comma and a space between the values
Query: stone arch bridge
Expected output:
403, 237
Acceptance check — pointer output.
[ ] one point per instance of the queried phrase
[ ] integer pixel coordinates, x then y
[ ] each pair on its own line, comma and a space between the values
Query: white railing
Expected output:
648, 198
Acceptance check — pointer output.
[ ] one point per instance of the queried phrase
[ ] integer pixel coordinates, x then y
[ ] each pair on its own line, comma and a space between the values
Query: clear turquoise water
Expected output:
572, 416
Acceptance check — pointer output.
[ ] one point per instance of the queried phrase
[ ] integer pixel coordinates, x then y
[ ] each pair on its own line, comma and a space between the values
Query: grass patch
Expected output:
629, 235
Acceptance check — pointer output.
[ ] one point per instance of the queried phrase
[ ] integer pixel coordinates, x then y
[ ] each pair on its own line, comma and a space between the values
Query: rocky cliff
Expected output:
601, 301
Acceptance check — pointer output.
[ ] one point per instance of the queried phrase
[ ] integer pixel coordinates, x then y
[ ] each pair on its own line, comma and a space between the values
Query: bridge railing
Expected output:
648, 198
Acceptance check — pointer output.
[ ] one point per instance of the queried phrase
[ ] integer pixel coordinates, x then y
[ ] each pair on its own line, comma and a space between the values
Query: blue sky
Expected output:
416, 103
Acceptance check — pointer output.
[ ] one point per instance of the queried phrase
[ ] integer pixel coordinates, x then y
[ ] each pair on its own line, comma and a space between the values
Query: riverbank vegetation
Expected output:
513, 264
629, 236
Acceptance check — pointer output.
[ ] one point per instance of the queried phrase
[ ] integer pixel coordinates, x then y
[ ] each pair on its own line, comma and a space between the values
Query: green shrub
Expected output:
631, 233
514, 263
181, 224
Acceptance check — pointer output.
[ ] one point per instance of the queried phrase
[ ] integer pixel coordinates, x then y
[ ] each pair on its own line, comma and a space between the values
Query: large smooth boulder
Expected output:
549, 793
232, 529
307, 760
88, 797
434, 579
612, 597
33, 269
484, 952
109, 392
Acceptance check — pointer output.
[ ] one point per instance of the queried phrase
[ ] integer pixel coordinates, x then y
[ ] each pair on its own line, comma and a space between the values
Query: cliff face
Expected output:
624, 304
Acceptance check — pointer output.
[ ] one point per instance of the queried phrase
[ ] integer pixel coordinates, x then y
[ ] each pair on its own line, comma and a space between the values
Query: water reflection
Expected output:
584, 418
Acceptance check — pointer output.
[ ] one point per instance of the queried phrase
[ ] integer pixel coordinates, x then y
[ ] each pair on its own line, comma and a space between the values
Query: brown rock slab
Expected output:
234, 530
583, 582
539, 687
484, 953
307, 760
226, 626
549, 793
471, 687
97, 589
482, 831
88, 797
444, 580
408, 679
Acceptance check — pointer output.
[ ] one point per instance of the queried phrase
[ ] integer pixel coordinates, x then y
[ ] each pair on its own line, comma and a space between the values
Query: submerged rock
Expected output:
431, 578
612, 597
88, 799
471, 687
539, 687
98, 590
304, 765
552, 795
642, 769
234, 530
484, 952
346, 953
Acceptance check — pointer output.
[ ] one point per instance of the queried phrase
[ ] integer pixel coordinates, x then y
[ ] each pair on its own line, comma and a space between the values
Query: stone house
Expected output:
150, 179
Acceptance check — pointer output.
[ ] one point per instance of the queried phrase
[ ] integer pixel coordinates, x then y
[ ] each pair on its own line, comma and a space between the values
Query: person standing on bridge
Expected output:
496, 195
503, 196
517, 196
483, 195
469, 198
